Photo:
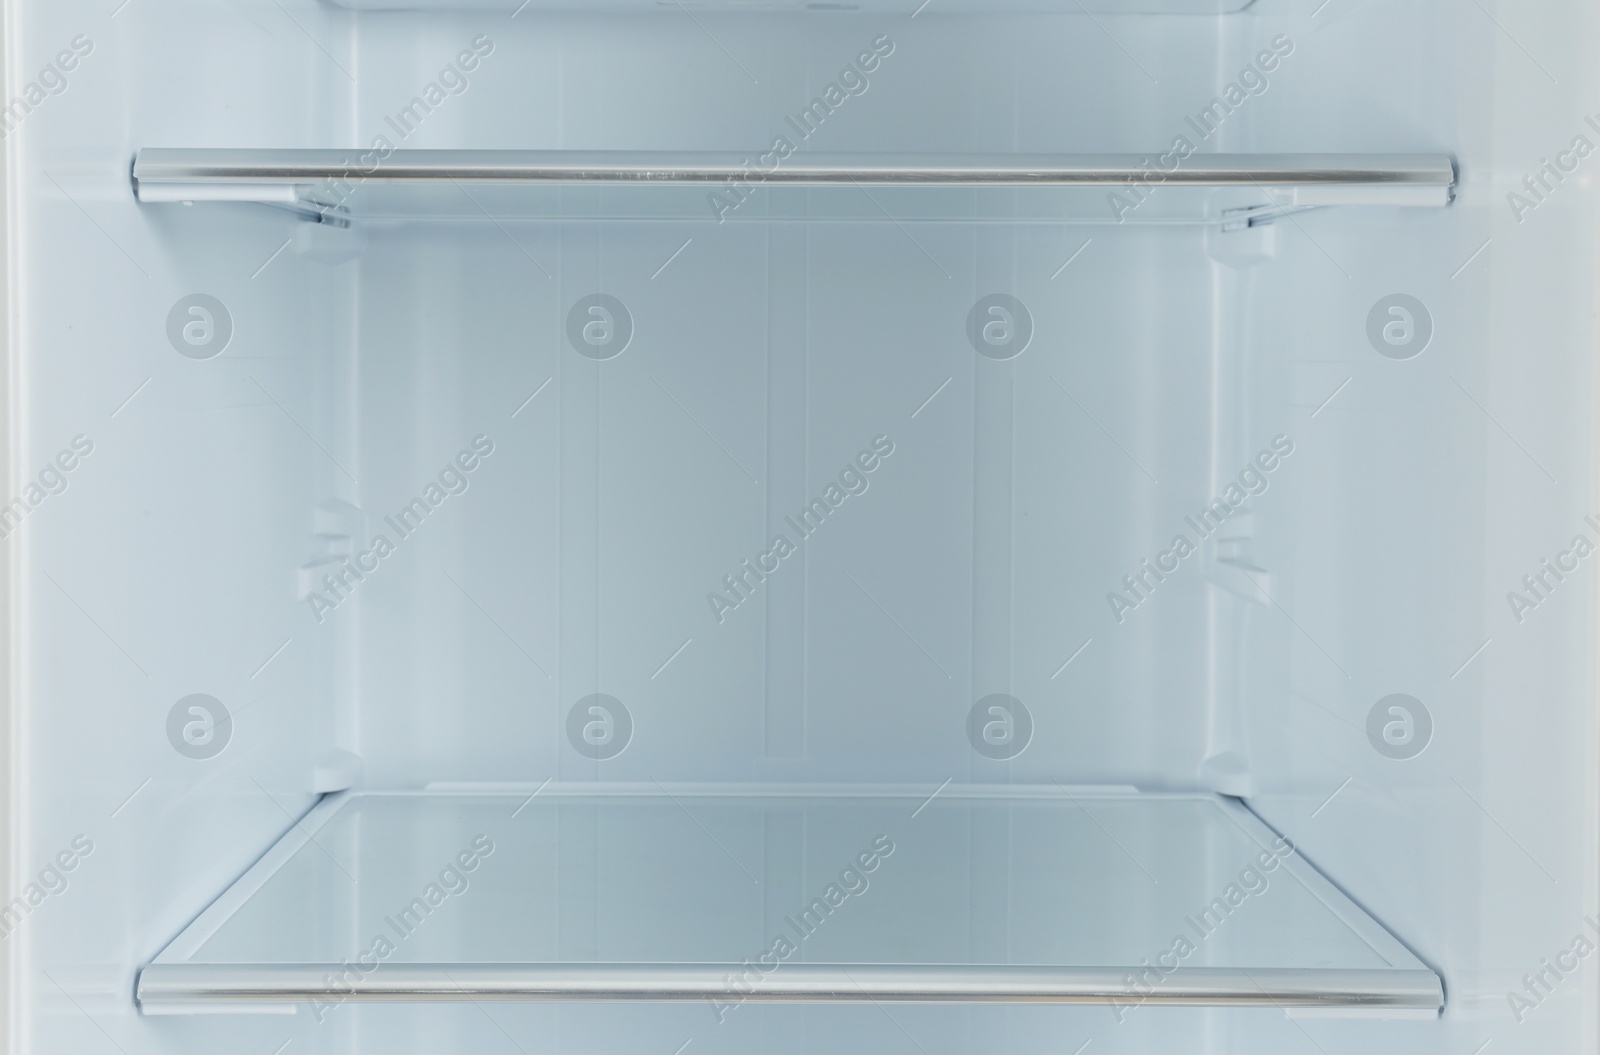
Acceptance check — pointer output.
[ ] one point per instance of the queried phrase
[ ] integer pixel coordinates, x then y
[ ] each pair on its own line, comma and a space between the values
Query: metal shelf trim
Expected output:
157, 166
303, 983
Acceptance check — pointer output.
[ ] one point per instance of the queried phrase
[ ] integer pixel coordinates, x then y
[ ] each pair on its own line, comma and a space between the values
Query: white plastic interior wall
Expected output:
989, 551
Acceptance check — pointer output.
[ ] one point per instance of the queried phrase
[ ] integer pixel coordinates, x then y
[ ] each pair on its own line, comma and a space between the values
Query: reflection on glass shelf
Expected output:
1050, 895
484, 185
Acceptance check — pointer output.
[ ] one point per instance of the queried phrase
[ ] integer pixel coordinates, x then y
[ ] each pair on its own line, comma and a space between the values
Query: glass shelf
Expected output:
593, 892
497, 185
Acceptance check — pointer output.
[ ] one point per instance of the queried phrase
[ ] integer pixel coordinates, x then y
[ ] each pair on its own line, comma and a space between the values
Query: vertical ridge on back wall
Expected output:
788, 341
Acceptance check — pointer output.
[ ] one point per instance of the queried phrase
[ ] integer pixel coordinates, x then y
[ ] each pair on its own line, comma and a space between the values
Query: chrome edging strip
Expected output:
197, 984
165, 165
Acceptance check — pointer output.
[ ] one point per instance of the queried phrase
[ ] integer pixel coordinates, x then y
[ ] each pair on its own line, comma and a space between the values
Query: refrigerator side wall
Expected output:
1424, 722
183, 451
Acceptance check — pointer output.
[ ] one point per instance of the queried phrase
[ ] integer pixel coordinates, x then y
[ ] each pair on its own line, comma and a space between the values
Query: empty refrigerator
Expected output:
760, 526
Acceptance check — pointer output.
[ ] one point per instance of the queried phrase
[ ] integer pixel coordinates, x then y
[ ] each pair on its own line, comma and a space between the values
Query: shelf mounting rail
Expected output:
160, 173
324, 181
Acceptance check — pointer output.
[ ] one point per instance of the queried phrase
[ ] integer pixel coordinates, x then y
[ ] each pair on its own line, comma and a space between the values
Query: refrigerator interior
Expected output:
565, 520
